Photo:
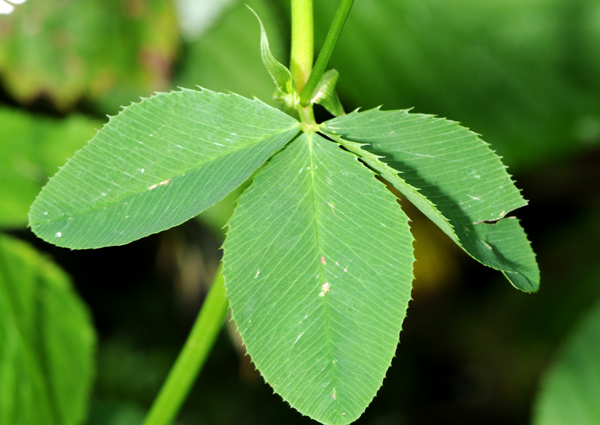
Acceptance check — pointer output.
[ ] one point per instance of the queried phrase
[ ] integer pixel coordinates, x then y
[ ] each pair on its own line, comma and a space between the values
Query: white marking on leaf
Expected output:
421, 154
298, 338
162, 183
324, 289
157, 130
332, 208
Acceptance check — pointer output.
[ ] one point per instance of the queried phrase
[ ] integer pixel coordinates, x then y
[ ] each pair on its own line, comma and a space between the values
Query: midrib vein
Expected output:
328, 332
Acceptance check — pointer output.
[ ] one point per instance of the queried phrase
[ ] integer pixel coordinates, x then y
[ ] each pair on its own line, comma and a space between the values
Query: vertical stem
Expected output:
339, 20
302, 50
192, 356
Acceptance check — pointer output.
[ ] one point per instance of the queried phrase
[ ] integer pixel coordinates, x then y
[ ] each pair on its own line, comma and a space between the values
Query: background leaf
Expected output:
107, 50
571, 389
32, 147
452, 177
318, 271
518, 72
156, 165
46, 341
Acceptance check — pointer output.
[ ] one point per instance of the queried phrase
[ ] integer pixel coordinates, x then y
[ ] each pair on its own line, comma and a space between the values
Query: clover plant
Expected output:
318, 259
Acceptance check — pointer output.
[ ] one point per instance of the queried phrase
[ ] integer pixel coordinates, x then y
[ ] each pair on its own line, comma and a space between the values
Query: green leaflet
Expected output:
157, 164
571, 389
452, 177
318, 271
46, 341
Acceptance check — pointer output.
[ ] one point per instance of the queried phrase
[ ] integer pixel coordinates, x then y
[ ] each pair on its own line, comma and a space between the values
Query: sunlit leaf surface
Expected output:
318, 271
156, 165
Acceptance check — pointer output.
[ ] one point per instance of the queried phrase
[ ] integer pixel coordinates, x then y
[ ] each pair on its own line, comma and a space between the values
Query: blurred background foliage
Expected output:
523, 73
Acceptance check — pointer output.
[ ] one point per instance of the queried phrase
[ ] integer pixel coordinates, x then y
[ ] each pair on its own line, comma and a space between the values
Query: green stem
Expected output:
192, 356
331, 40
302, 49
307, 118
